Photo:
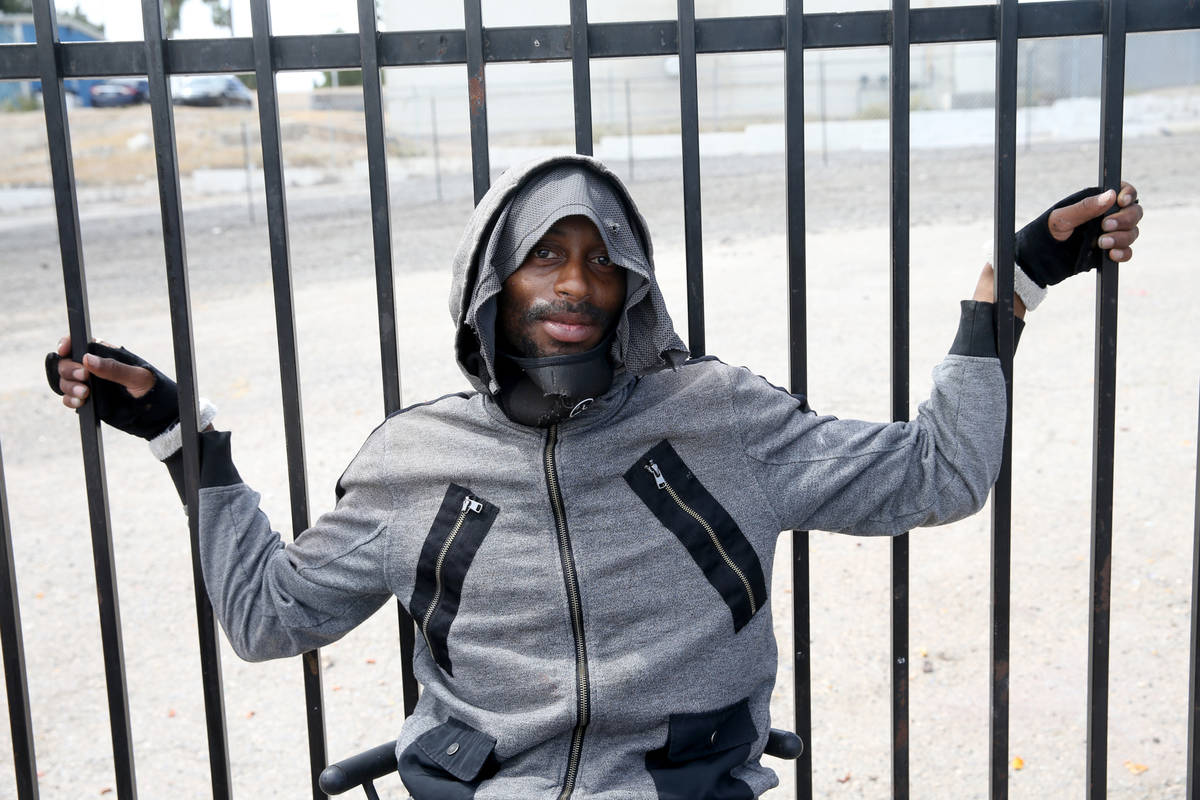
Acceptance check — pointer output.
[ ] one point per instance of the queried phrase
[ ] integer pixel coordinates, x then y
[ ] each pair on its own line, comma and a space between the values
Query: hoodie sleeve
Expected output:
824, 473
275, 599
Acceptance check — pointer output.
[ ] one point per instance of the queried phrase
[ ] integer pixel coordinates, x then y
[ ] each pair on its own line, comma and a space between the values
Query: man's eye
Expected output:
542, 252
603, 260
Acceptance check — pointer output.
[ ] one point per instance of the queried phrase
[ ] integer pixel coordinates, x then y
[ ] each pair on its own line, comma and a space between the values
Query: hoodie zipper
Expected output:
661, 483
469, 505
583, 700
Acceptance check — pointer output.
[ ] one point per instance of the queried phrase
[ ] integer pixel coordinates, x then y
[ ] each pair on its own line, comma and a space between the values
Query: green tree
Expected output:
79, 15
345, 77
26, 7
222, 13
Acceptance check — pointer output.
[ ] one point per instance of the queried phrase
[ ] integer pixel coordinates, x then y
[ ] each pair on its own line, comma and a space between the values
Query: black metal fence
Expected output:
794, 32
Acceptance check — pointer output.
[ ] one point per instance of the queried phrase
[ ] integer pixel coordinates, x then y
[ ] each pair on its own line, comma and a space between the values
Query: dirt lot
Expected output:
745, 248
113, 146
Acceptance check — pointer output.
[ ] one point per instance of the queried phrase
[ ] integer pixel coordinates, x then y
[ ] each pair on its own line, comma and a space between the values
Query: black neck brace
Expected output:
542, 391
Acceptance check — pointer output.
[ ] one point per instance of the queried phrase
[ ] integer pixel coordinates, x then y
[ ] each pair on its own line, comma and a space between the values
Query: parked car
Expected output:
212, 90
120, 92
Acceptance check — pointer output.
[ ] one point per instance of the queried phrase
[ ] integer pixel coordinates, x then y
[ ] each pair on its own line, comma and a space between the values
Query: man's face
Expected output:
566, 294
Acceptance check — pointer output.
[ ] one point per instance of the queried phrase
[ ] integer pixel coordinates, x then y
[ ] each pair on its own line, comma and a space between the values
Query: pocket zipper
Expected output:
469, 505
661, 483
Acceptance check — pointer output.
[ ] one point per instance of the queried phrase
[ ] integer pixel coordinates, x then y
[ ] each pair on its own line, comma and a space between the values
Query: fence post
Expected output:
899, 121
1003, 247
793, 42
581, 77
693, 236
477, 97
381, 238
289, 366
1193, 740
175, 254
58, 139
1112, 96
16, 679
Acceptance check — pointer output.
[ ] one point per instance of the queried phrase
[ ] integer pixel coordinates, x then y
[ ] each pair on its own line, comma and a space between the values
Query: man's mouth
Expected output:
572, 323
567, 331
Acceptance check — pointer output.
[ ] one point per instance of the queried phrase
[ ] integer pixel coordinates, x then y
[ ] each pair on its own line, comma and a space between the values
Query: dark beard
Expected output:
542, 309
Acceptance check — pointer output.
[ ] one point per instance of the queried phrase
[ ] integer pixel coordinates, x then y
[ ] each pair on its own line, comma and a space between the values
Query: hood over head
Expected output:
512, 217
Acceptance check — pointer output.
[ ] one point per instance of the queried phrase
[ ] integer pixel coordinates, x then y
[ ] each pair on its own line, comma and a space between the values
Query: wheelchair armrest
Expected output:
356, 770
783, 744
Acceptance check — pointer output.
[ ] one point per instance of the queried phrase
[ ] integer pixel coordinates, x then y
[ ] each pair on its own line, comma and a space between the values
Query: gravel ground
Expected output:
745, 253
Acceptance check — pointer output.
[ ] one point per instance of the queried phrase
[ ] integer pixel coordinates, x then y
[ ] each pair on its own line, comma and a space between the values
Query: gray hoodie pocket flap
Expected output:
692, 736
457, 748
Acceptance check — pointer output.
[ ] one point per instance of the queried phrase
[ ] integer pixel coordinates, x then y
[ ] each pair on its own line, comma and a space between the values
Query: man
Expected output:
585, 541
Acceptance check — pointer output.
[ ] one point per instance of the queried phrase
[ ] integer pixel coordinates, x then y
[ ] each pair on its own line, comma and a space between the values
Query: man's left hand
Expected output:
1071, 237
1119, 230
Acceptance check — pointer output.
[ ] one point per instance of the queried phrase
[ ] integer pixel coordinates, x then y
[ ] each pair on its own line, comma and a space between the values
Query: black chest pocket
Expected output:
462, 522
712, 538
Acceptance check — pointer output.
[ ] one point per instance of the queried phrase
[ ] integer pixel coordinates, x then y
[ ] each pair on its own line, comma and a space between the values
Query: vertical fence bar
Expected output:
285, 326
1005, 216
16, 680
381, 229
477, 98
381, 220
1193, 745
581, 75
171, 208
798, 372
899, 359
1112, 94
58, 139
689, 111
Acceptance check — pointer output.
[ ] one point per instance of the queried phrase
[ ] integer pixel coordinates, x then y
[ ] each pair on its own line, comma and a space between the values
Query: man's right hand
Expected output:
128, 392
73, 376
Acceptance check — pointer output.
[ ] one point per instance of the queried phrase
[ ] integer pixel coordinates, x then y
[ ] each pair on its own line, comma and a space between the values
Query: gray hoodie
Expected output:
592, 596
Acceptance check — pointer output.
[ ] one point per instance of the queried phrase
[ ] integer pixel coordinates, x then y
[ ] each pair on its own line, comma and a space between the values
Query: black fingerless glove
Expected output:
1048, 261
146, 416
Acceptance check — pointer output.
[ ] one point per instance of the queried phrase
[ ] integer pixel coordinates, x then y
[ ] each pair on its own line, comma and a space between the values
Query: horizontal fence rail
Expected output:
605, 39
474, 47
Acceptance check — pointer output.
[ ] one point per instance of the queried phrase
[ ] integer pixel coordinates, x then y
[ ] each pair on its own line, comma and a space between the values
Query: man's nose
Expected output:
572, 279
